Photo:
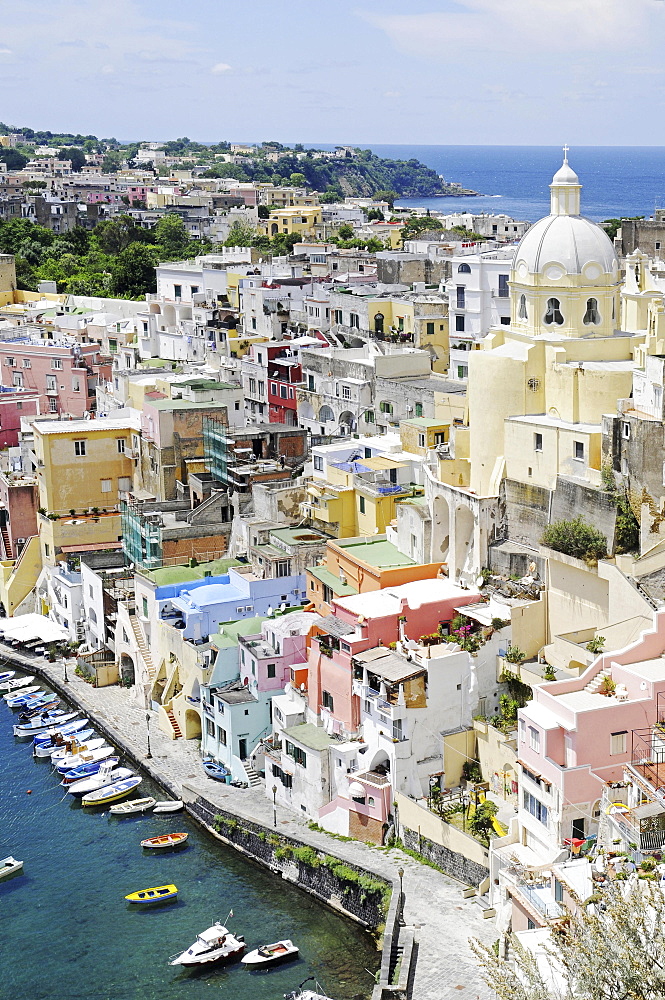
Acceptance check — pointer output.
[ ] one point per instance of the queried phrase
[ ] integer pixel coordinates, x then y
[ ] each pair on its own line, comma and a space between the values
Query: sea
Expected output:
618, 181
67, 933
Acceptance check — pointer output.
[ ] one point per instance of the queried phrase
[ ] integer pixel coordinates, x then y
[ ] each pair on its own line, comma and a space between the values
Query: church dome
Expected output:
568, 242
565, 175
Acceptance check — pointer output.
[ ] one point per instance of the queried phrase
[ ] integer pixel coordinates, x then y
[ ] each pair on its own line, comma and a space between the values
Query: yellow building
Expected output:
297, 219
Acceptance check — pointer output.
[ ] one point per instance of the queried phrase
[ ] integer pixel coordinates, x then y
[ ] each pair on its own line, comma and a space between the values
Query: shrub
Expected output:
499, 623
515, 655
576, 538
471, 771
307, 856
596, 644
549, 673
283, 853
607, 687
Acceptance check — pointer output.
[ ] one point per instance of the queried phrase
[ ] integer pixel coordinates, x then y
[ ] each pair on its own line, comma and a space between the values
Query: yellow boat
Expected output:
158, 894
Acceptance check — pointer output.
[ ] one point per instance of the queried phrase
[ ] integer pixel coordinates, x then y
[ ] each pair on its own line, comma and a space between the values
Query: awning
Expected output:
32, 626
380, 463
91, 547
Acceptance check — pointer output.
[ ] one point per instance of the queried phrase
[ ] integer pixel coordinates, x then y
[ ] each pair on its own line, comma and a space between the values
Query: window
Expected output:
553, 314
421, 440
121, 445
10, 362
52, 405
385, 407
521, 311
51, 383
327, 593
346, 392
221, 736
578, 451
177, 291
76, 384
327, 700
18, 380
282, 568
369, 416
658, 397
464, 269
430, 329
460, 296
618, 743
535, 808
354, 321
534, 739
210, 727
337, 316
299, 756
462, 371
27, 363
537, 442
577, 828
503, 286
144, 605
252, 386
361, 505
56, 363
262, 388
106, 485
318, 463
505, 320
591, 316
124, 483
194, 289
459, 324
79, 448
419, 409
657, 245
271, 670
47, 551
625, 430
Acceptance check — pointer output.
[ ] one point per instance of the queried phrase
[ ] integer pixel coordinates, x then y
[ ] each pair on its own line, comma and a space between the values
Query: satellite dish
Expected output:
480, 581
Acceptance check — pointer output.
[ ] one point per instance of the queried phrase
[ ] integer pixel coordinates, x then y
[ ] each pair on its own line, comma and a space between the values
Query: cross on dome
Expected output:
566, 150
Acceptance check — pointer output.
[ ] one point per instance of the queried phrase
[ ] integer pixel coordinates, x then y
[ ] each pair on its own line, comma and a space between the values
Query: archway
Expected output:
274, 229
326, 414
380, 763
192, 724
463, 541
441, 541
347, 421
127, 670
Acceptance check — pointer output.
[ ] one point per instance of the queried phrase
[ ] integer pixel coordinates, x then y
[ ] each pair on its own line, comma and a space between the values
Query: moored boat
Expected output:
9, 866
111, 793
46, 704
75, 747
215, 944
271, 954
133, 806
25, 691
40, 723
301, 994
6, 676
216, 771
165, 841
169, 806
103, 778
18, 682
88, 757
48, 749
46, 736
157, 894
27, 698
84, 770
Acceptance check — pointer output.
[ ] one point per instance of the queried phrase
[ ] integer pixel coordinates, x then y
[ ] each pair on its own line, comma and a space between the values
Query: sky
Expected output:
443, 72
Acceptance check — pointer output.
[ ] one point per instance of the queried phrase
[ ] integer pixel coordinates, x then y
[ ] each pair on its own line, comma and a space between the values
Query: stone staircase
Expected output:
253, 778
174, 725
596, 682
143, 648
6, 541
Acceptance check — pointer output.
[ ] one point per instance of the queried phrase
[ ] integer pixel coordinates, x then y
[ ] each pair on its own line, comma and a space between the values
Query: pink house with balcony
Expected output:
14, 404
61, 375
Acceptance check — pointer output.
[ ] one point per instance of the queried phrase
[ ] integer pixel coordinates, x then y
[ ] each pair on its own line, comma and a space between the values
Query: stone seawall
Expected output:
451, 862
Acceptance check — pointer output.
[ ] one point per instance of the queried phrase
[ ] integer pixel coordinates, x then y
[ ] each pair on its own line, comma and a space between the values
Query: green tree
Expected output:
418, 224
13, 159
481, 820
264, 212
241, 234
576, 538
114, 235
375, 214
133, 271
76, 155
171, 237
298, 179
389, 196
345, 232
112, 162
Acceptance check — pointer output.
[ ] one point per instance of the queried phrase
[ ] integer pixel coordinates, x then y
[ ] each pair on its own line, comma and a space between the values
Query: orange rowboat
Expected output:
165, 841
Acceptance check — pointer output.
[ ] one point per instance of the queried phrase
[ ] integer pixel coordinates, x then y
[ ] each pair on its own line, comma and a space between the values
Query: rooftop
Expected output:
380, 603
183, 574
376, 552
324, 576
309, 736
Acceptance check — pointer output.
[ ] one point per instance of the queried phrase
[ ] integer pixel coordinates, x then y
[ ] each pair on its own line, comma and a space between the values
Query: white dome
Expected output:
565, 175
571, 241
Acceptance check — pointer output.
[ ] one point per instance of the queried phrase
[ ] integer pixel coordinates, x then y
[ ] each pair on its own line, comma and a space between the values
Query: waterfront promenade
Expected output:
434, 903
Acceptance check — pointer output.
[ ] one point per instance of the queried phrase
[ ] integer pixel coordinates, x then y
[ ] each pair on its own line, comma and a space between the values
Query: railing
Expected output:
548, 908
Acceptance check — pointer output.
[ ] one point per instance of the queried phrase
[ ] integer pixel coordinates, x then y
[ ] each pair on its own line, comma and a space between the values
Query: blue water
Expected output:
617, 180
68, 934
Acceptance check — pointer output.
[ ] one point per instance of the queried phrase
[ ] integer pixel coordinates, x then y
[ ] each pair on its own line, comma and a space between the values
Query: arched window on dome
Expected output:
553, 314
521, 312
464, 269
591, 316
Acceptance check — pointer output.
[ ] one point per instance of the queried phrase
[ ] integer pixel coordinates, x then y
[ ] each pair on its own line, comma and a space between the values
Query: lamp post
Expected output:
147, 722
466, 801
274, 806
400, 872
64, 664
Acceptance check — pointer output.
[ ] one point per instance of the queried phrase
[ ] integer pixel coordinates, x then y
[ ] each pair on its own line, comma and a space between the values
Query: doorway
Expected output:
242, 747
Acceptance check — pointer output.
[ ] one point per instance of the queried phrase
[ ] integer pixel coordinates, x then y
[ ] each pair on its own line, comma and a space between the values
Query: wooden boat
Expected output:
9, 866
85, 770
271, 954
133, 806
215, 944
40, 723
216, 771
158, 894
25, 692
111, 793
18, 682
48, 749
169, 806
104, 777
87, 757
75, 747
164, 842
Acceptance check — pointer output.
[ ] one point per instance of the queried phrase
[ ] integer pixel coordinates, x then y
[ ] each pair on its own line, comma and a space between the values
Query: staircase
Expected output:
143, 649
595, 683
6, 541
252, 777
174, 725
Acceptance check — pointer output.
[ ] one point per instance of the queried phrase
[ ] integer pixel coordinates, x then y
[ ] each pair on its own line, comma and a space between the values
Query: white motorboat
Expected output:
169, 806
105, 776
88, 757
48, 749
307, 994
9, 866
271, 954
16, 683
6, 676
133, 806
41, 722
24, 692
75, 747
71, 729
215, 944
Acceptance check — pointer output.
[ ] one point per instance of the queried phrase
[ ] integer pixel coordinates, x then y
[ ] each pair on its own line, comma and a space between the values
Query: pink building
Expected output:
14, 404
63, 376
19, 499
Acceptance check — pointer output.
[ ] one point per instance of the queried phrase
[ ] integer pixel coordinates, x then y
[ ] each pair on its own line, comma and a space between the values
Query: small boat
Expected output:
40, 723
102, 779
216, 771
12, 695
111, 793
15, 685
29, 711
85, 770
6, 676
69, 730
48, 749
164, 842
215, 944
75, 747
169, 806
24, 699
271, 954
300, 994
88, 757
9, 866
158, 894
133, 806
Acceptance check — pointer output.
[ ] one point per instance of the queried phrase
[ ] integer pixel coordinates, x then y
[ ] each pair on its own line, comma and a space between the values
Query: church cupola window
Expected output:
591, 316
521, 311
464, 269
553, 314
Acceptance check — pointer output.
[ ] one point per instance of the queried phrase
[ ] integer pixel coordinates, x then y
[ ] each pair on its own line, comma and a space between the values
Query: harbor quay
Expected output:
437, 918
